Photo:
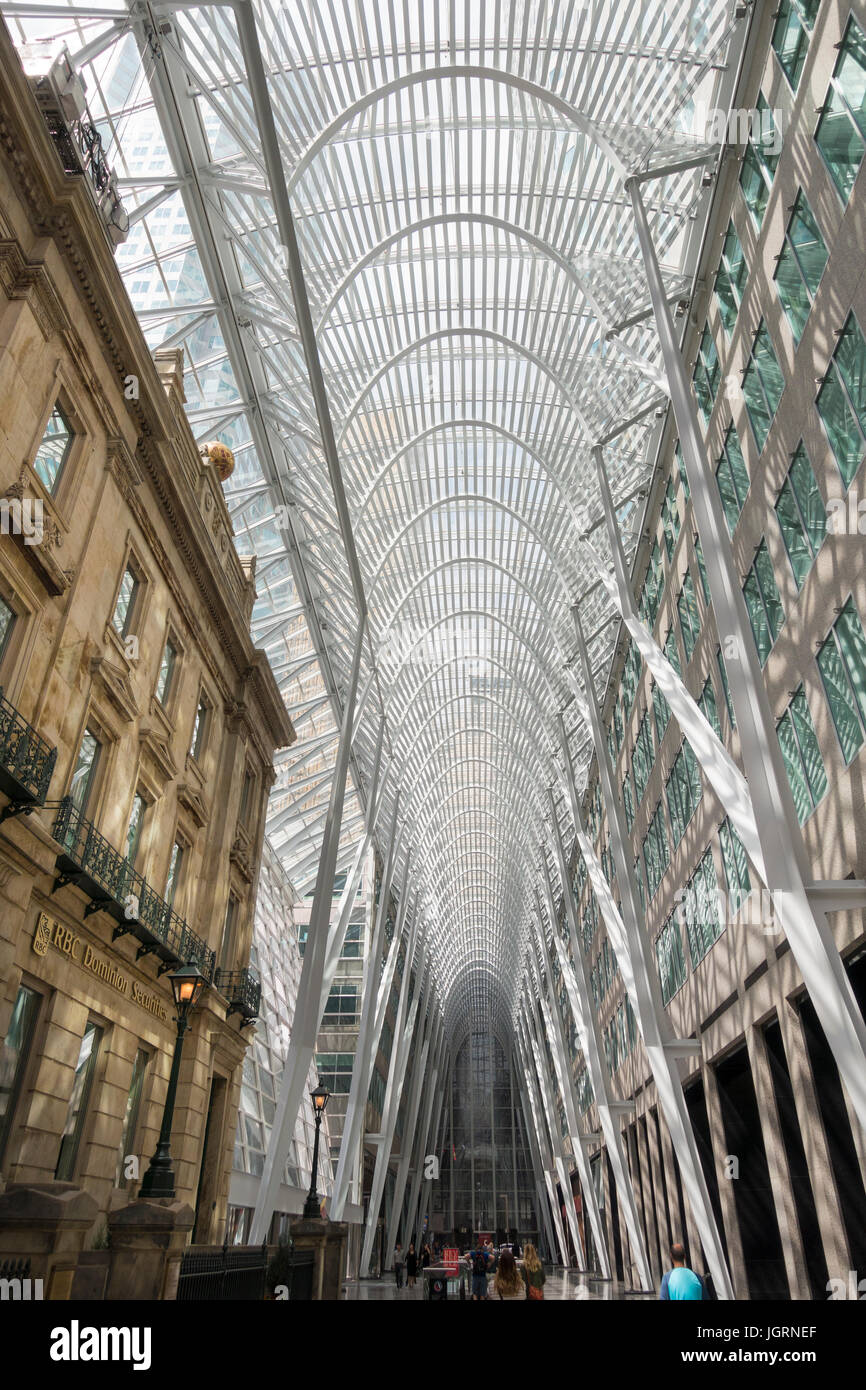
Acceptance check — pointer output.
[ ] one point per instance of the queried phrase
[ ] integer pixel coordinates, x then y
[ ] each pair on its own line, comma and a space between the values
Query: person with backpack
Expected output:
479, 1274
533, 1273
681, 1283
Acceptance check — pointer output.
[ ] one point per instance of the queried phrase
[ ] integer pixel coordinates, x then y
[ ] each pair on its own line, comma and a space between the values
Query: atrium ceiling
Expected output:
414, 443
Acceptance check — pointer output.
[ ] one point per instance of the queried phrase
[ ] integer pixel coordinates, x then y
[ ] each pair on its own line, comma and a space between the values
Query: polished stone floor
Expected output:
561, 1284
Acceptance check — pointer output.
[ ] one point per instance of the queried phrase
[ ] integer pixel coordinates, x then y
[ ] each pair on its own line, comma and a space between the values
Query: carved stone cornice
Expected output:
116, 685
157, 750
40, 546
190, 798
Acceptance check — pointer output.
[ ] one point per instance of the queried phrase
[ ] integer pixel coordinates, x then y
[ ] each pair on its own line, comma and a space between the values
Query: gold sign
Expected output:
52, 933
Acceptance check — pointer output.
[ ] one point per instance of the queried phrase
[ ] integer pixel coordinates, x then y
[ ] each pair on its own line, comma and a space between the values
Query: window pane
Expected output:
133, 833
54, 449
85, 769
13, 1056
7, 622
125, 606
77, 1108
791, 42
130, 1119
166, 672
802, 517
733, 478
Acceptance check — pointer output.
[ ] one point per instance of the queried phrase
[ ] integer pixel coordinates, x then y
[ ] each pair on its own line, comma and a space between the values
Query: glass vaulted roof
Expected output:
479, 314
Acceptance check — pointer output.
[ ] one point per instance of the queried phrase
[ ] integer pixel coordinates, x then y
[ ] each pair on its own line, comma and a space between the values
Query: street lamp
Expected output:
320, 1098
187, 983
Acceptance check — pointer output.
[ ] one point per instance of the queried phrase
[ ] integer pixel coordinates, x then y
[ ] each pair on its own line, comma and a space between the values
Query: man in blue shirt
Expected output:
681, 1283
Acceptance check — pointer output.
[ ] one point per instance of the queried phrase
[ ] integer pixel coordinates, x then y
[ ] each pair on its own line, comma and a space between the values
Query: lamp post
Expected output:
187, 984
320, 1098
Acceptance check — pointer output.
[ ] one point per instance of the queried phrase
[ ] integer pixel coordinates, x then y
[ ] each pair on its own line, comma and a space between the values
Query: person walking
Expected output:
681, 1283
398, 1263
411, 1265
426, 1257
533, 1273
508, 1283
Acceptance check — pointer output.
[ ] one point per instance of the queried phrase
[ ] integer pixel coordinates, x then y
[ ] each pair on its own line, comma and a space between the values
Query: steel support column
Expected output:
578, 989
631, 944
403, 1032
562, 1062
308, 1008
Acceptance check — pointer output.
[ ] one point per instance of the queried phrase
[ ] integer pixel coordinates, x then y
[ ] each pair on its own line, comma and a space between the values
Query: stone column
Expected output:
47, 1224
327, 1240
147, 1240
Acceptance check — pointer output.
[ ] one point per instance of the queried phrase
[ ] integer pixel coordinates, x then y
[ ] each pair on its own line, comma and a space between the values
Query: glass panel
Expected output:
130, 1118
199, 728
76, 1113
166, 672
7, 622
736, 865
13, 1057
791, 42
85, 769
731, 278
174, 872
733, 478
133, 833
124, 609
842, 664
53, 450
802, 517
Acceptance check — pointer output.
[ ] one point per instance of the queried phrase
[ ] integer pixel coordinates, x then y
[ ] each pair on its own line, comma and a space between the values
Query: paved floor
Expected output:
560, 1285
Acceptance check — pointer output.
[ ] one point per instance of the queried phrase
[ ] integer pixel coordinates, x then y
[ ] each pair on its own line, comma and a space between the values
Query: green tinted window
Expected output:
760, 160
791, 36
670, 959
763, 384
736, 865
842, 664
841, 131
842, 400
705, 377
687, 610
700, 909
708, 706
801, 514
762, 600
655, 850
731, 278
732, 477
670, 518
801, 265
803, 761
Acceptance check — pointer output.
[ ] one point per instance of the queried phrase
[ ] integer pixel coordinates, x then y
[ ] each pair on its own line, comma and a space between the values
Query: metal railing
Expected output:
93, 863
26, 761
221, 1273
243, 990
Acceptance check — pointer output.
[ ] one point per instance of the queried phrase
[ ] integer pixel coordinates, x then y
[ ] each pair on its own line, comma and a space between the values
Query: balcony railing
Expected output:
26, 762
113, 886
243, 990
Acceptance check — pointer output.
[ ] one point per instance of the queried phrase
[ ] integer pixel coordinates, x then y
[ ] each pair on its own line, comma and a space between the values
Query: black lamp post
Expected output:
187, 983
320, 1098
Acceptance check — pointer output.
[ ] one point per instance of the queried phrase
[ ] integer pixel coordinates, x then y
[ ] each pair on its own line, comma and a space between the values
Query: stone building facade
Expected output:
138, 722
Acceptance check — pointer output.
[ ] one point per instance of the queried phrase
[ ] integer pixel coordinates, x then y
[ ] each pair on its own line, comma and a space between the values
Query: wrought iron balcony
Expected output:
113, 886
243, 990
26, 762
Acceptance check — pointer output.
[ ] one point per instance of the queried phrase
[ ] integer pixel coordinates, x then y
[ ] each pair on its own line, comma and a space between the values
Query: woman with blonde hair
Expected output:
533, 1273
508, 1283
